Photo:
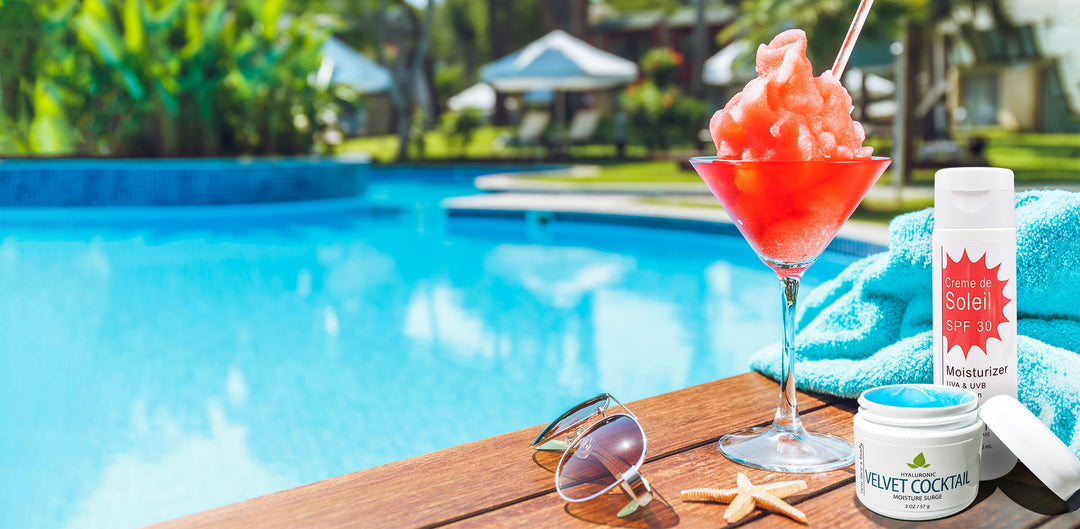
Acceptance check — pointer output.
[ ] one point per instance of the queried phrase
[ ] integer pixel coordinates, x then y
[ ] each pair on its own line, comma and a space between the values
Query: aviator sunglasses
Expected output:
601, 450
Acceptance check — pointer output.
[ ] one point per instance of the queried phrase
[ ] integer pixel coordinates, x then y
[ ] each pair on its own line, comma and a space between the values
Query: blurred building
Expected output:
630, 35
343, 65
1027, 78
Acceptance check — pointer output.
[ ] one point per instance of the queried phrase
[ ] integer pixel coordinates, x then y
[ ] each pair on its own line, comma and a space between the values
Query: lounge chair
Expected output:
530, 131
582, 127
580, 132
532, 126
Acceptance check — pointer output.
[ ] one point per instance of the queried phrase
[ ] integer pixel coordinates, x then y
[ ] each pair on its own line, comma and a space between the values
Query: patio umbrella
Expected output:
877, 87
347, 66
561, 62
480, 96
721, 69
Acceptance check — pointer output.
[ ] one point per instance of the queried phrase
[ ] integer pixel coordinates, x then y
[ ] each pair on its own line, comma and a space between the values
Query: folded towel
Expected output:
872, 324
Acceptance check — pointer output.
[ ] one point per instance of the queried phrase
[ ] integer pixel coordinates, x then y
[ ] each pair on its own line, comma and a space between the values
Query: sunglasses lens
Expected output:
600, 457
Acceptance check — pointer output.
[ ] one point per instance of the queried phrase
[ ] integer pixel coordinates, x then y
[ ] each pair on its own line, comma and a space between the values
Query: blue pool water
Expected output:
157, 363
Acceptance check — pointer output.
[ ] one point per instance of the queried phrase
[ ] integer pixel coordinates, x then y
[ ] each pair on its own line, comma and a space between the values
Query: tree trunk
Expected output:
579, 21
701, 50
918, 84
903, 124
405, 74
571, 16
434, 108
404, 123
500, 16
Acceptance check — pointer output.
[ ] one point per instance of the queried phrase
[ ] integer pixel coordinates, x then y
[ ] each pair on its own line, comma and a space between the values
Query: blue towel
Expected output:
872, 324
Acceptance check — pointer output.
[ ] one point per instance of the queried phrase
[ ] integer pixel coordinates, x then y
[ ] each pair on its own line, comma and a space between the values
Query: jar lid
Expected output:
1033, 443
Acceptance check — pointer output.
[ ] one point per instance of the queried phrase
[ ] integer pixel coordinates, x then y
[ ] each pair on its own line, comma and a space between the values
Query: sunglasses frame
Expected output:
548, 438
631, 481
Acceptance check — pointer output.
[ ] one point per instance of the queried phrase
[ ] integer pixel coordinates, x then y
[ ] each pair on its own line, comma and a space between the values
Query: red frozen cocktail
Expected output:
790, 169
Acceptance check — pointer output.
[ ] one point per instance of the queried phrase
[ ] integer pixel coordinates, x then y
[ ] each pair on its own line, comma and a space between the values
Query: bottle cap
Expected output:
1034, 444
974, 197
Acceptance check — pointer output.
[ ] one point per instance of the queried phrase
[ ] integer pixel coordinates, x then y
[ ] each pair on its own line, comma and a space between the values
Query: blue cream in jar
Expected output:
917, 450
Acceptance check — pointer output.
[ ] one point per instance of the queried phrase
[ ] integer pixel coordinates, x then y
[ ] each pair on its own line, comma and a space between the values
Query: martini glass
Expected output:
788, 211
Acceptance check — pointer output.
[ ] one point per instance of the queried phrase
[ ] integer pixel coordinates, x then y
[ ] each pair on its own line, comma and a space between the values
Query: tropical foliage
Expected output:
159, 78
826, 22
459, 126
658, 112
661, 64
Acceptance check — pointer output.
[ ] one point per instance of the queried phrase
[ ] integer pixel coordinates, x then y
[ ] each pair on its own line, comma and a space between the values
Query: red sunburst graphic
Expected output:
973, 303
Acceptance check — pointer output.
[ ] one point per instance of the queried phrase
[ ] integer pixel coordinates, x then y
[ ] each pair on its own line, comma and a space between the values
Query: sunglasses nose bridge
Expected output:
583, 425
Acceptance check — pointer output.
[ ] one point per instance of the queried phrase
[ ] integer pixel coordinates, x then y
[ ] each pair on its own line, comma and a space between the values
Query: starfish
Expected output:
742, 499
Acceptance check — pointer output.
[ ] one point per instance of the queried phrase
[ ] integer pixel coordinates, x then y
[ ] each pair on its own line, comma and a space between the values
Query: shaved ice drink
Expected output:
792, 166
788, 114
790, 169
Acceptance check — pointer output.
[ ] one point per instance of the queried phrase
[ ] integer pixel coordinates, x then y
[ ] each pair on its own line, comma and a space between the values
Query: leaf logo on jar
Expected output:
973, 303
919, 462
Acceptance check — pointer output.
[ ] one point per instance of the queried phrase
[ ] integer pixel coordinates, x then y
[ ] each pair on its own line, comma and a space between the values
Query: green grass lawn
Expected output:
487, 144
436, 146
1037, 158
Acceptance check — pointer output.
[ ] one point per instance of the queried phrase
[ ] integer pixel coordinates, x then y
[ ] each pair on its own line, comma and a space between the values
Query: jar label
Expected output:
919, 481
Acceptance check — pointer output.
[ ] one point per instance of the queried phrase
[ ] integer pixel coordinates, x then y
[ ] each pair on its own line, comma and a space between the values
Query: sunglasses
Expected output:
601, 450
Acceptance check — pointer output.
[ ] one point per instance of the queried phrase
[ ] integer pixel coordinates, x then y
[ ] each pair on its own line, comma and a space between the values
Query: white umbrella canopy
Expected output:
480, 96
559, 61
350, 67
721, 69
876, 86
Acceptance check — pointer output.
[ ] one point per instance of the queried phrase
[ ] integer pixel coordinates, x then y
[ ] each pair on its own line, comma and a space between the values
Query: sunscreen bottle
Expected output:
974, 264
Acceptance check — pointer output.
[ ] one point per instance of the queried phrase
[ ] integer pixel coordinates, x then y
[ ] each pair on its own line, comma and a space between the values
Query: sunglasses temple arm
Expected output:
552, 445
637, 488
621, 405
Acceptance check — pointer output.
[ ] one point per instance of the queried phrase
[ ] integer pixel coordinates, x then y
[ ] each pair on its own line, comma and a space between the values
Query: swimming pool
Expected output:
160, 363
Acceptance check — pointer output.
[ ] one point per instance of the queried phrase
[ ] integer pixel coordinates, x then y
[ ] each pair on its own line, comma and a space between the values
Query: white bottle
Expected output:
974, 263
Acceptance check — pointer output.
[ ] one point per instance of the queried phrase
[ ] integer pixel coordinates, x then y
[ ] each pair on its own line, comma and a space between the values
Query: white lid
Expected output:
1034, 444
974, 197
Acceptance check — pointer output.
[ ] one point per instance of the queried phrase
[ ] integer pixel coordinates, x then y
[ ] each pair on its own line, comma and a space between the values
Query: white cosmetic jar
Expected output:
917, 450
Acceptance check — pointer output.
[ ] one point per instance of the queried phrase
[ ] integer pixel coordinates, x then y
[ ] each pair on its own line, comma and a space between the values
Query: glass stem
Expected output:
787, 413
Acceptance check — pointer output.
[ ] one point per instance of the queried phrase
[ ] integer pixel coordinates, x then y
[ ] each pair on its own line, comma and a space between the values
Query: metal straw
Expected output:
852, 36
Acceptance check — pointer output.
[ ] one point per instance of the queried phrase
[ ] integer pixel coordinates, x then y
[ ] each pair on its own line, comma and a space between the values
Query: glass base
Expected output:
799, 451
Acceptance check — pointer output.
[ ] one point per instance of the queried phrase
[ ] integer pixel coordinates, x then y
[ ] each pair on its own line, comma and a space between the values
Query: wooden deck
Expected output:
500, 482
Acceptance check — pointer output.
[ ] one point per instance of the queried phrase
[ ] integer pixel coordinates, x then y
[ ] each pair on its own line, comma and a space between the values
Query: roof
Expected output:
350, 67
558, 61
684, 17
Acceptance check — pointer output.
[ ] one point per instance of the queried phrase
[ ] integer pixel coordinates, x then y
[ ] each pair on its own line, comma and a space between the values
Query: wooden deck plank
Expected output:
484, 475
992, 508
699, 467
1062, 521
500, 482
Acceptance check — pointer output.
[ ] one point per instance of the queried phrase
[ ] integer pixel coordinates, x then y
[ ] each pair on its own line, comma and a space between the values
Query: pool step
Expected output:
862, 237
